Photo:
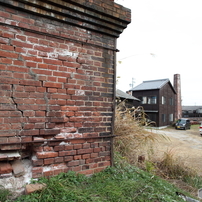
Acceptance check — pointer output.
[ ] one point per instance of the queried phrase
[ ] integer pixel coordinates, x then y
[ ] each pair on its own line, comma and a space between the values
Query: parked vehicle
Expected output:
183, 124
200, 129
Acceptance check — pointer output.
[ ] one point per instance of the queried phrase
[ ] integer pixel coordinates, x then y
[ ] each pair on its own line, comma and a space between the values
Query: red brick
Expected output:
77, 146
3, 67
5, 14
49, 131
94, 155
96, 150
97, 170
58, 160
73, 163
4, 40
59, 148
57, 171
84, 151
68, 158
49, 161
40, 113
15, 120
15, 114
86, 172
5, 126
77, 157
12, 147
29, 132
48, 173
86, 146
21, 37
76, 168
30, 83
30, 188
29, 126
26, 139
93, 165
39, 125
14, 139
32, 39
7, 47
5, 168
22, 44
104, 164
43, 155
68, 147
52, 62
67, 153
35, 120
37, 175
52, 85
3, 140
4, 113
86, 156
47, 148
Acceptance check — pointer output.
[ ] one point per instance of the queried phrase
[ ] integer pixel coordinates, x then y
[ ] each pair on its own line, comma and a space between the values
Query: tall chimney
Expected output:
178, 101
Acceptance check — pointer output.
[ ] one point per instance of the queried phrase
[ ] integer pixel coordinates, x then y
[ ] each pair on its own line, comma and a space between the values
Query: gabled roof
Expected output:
152, 85
124, 95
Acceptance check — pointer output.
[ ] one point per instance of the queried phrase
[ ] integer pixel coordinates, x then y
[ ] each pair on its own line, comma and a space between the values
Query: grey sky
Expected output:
172, 30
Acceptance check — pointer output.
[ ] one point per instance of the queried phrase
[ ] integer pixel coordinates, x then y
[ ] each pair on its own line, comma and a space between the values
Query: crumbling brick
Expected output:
57, 81
5, 168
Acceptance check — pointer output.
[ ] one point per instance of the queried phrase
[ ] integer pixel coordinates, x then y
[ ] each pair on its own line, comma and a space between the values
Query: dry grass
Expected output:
135, 144
132, 139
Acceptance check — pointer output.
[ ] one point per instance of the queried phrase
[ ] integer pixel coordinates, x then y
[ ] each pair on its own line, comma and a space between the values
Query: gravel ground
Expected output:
185, 145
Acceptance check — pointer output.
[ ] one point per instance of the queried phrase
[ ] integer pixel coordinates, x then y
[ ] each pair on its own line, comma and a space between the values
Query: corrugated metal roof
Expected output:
151, 85
124, 95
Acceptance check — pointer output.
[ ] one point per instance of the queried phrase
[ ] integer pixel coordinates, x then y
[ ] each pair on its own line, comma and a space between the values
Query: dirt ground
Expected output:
186, 145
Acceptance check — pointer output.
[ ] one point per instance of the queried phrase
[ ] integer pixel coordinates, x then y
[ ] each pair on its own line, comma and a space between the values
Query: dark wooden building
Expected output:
158, 100
129, 99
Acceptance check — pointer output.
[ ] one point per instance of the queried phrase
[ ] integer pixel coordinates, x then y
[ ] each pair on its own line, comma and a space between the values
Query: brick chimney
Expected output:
178, 103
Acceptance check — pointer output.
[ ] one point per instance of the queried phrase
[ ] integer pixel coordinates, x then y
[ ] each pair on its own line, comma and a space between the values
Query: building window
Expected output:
152, 100
144, 100
163, 117
171, 101
163, 100
170, 117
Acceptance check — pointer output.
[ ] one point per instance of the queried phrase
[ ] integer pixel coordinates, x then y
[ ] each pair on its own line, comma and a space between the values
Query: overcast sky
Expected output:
172, 31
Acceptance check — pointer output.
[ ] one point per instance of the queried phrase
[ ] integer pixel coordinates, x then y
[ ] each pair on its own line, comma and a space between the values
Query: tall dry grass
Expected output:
132, 140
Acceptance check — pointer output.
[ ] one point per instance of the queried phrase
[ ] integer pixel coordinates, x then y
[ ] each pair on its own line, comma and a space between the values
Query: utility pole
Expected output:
133, 82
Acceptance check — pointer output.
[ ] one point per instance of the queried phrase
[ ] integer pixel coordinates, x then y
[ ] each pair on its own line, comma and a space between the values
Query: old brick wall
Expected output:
57, 70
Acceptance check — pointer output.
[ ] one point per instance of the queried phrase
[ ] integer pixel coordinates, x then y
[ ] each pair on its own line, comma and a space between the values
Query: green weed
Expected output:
115, 184
4, 194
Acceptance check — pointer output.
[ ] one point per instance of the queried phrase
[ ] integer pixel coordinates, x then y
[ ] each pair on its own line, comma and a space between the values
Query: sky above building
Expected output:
163, 39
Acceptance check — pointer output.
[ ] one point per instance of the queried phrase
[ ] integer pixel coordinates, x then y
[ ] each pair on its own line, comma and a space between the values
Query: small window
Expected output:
163, 117
171, 117
163, 100
144, 100
171, 101
152, 100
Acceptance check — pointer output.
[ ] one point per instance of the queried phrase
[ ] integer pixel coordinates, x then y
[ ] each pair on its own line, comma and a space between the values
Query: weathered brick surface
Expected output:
57, 81
30, 188
5, 168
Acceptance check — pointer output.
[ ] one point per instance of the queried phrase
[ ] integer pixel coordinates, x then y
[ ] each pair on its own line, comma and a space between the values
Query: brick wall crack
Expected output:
16, 105
13, 99
46, 100
34, 75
